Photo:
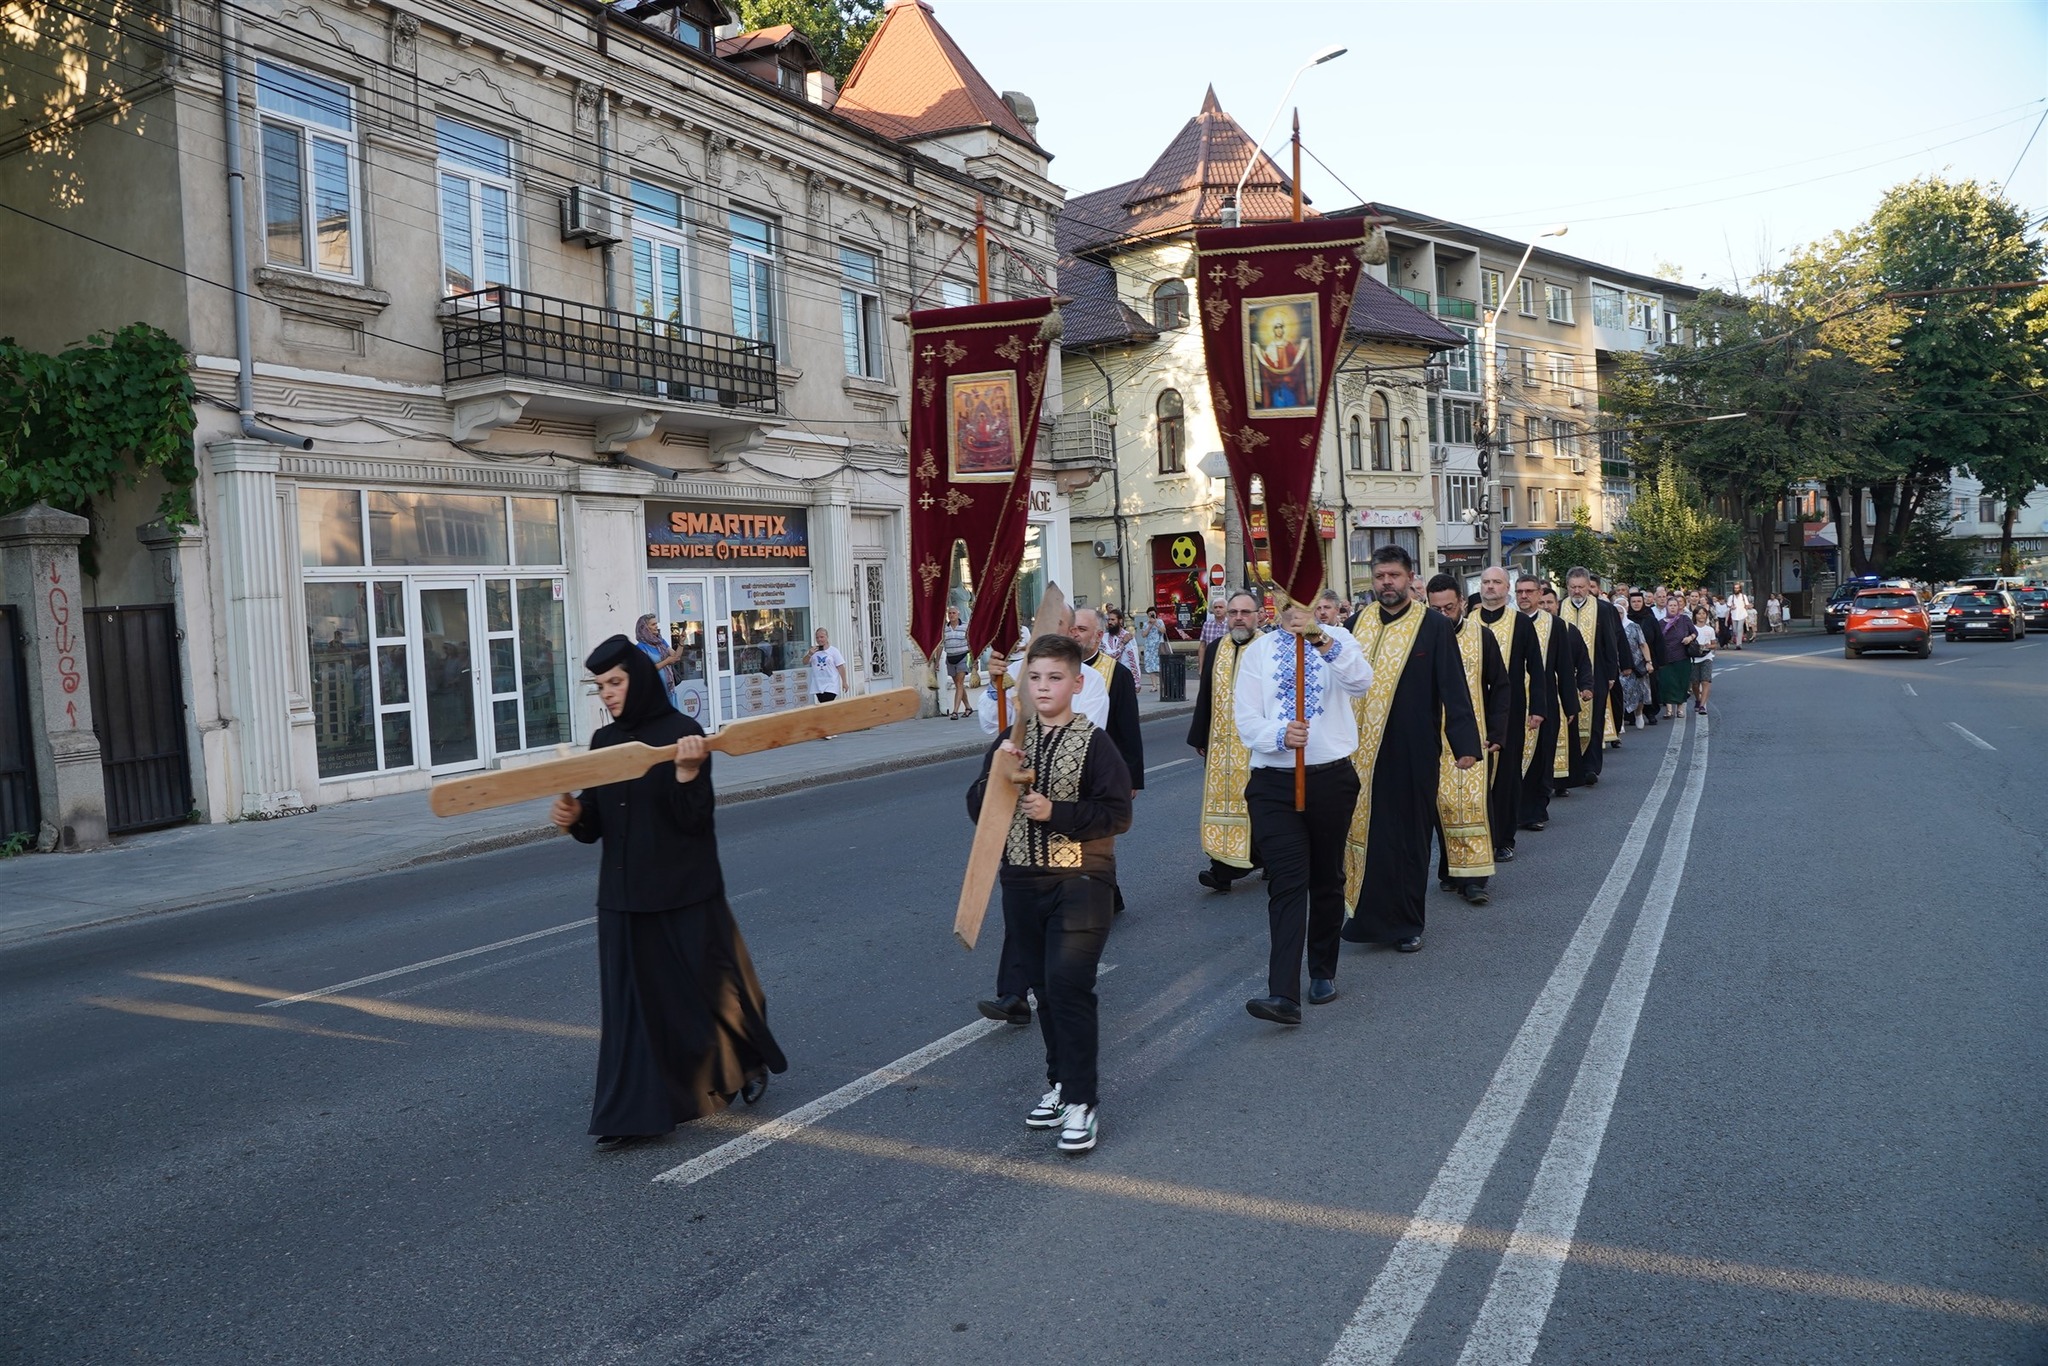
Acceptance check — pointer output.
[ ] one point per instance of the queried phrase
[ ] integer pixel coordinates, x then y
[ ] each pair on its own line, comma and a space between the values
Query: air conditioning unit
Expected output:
1105, 550
1578, 399
592, 217
1578, 464
1439, 456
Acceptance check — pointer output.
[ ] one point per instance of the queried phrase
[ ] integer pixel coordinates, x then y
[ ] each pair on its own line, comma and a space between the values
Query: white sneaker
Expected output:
1078, 1133
1048, 1113
1639, 720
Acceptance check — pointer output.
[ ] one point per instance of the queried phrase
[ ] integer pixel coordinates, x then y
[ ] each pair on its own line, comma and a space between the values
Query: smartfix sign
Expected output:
710, 534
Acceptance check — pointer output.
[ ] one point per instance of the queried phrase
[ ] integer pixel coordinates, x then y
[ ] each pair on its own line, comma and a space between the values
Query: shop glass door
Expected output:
448, 674
685, 615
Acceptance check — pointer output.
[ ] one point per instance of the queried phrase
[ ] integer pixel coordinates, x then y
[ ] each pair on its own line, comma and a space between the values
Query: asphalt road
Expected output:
1754, 1030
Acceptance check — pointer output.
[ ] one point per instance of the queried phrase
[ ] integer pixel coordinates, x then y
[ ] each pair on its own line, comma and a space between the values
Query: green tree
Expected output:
838, 29
1579, 547
1932, 555
1668, 536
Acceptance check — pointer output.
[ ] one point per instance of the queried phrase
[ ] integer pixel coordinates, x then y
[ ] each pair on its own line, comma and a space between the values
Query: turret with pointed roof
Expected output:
913, 82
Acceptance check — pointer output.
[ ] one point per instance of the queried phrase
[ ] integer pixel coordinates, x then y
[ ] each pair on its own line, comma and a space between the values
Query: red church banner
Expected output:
1275, 297
977, 375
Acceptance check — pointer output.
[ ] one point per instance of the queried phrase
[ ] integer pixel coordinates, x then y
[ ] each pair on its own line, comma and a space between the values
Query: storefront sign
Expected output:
1365, 517
1041, 500
710, 534
1326, 523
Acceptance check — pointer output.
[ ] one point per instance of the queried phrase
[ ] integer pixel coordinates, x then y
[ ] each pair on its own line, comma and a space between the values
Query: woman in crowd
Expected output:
953, 645
1702, 658
1151, 636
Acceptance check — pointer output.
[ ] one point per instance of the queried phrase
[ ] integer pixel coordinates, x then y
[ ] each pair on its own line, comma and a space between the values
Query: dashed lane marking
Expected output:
428, 963
1975, 740
1161, 768
1909, 690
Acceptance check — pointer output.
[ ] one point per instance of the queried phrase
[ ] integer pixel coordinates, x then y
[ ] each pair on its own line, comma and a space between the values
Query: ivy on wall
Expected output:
77, 426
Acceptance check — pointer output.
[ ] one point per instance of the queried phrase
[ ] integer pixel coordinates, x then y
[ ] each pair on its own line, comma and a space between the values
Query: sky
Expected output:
1713, 137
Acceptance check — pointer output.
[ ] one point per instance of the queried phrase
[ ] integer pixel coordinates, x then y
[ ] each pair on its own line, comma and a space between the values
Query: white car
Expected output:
1937, 610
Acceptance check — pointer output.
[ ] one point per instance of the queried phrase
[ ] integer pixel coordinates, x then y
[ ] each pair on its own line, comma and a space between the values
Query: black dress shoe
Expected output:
1476, 895
1211, 881
1006, 1009
1560, 794
1412, 944
1593, 780
1505, 854
1445, 885
1278, 1009
611, 1143
1534, 825
1321, 991
756, 1087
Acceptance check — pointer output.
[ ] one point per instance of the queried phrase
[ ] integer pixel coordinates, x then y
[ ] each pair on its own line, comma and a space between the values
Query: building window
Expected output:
1557, 303
1671, 326
1567, 503
1644, 313
1564, 438
1507, 507
1490, 282
476, 207
1173, 433
1461, 367
309, 171
1357, 442
791, 78
1382, 437
1459, 419
1987, 508
692, 34
1528, 366
860, 311
1532, 435
1170, 305
954, 294
752, 264
1527, 302
1460, 496
1535, 507
1563, 371
1608, 307
1407, 447
661, 257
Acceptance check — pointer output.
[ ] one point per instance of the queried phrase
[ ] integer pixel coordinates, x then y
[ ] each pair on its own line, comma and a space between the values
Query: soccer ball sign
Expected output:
1184, 552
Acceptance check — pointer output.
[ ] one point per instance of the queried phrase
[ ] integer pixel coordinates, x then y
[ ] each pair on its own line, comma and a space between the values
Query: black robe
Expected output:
684, 1020
1198, 724
1123, 725
1431, 704
1561, 677
1493, 704
1599, 670
1530, 693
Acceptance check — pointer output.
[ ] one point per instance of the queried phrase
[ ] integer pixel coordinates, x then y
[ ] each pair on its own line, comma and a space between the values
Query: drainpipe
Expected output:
604, 177
1116, 486
238, 251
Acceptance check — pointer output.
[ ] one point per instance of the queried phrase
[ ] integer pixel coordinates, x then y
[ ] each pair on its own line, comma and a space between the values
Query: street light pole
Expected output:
1495, 545
1231, 215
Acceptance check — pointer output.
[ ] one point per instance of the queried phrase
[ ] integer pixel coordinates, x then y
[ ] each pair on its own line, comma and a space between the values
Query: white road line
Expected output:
1399, 1293
804, 1116
1909, 689
1511, 1321
1979, 743
1161, 768
1959, 659
423, 966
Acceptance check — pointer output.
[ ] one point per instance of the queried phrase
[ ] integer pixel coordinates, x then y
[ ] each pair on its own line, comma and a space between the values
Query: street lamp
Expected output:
1495, 548
1231, 216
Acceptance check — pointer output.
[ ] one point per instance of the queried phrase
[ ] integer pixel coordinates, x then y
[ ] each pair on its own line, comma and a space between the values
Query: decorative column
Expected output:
832, 594
258, 653
178, 557
39, 568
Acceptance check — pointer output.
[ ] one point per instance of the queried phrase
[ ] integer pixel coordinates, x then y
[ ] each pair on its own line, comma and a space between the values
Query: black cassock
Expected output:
1561, 676
684, 1020
1431, 703
1602, 657
1529, 694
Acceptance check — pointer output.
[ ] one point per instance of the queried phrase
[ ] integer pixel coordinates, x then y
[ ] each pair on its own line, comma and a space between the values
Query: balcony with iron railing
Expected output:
1083, 440
1449, 307
506, 352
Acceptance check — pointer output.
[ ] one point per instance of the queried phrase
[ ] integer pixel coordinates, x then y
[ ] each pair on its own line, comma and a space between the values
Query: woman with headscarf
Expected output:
647, 633
684, 1021
1674, 680
1642, 610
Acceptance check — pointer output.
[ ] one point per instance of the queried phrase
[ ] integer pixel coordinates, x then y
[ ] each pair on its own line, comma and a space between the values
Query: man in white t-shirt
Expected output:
828, 669
1738, 617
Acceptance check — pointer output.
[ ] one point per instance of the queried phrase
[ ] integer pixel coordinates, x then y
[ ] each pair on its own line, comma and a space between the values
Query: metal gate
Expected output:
19, 809
138, 708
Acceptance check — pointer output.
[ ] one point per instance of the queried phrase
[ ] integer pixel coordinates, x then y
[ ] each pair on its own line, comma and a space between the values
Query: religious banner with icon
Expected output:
1274, 301
977, 376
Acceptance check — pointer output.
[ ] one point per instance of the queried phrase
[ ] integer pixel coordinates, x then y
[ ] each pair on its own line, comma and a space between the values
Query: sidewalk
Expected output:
201, 865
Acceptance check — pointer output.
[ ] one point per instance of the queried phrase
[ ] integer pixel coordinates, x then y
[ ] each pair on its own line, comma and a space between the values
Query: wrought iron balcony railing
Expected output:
518, 334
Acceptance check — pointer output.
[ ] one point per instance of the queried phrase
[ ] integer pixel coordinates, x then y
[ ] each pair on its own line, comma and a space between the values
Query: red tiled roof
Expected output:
755, 40
913, 81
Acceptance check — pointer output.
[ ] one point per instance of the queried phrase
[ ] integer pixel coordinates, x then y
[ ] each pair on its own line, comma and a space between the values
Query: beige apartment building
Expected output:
1152, 528
558, 313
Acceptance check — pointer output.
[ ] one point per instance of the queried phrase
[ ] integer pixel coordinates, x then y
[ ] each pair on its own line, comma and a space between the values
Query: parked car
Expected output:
1984, 612
2033, 605
1886, 619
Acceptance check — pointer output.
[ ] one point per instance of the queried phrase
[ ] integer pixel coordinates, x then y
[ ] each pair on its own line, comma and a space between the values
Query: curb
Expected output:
498, 840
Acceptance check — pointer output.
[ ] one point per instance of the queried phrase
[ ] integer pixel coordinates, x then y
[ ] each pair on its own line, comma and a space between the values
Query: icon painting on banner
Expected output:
982, 427
1281, 363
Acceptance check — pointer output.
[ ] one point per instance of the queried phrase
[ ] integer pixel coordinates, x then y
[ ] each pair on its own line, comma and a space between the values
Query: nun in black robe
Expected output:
685, 1025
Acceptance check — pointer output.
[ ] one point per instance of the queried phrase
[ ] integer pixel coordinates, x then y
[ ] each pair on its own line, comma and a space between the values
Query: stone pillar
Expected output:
178, 558
39, 568
248, 543
832, 596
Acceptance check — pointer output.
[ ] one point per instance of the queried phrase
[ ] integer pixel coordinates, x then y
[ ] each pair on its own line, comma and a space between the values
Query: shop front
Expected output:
730, 586
1180, 582
1372, 528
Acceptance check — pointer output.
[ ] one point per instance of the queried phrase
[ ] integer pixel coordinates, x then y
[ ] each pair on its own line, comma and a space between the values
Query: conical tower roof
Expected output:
1189, 182
913, 81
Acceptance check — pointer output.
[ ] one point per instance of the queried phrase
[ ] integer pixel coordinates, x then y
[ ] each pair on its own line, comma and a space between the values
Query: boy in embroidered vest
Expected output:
1059, 877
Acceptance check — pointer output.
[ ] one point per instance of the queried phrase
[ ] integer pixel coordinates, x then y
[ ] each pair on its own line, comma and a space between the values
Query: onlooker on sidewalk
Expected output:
647, 635
953, 644
1738, 616
828, 669
1213, 629
1774, 613
1151, 636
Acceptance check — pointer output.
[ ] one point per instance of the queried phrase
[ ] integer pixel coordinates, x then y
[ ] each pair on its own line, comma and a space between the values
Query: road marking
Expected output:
1979, 743
1909, 689
1161, 768
784, 1126
1511, 1320
1395, 1302
429, 963
1959, 659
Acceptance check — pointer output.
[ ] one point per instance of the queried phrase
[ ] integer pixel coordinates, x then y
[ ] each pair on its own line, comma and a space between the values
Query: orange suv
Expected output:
1887, 619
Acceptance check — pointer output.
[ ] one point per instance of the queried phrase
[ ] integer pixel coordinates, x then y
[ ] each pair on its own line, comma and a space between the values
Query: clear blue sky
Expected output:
1711, 136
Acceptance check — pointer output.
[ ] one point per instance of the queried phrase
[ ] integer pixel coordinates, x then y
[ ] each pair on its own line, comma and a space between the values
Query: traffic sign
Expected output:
1215, 576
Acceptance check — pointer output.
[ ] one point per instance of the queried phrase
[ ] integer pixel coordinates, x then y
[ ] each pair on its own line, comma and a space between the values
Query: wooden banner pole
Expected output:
981, 246
1301, 714
1297, 182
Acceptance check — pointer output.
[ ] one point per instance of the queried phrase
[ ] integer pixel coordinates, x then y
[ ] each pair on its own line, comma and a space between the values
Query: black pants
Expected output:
1304, 857
1057, 927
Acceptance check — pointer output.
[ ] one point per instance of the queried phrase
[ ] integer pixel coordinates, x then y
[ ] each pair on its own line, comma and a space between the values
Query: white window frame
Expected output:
1528, 366
1557, 303
309, 133
475, 181
1567, 501
1564, 371
1507, 505
756, 257
956, 294
862, 332
1527, 303
1535, 507
1491, 282
1615, 301
1532, 435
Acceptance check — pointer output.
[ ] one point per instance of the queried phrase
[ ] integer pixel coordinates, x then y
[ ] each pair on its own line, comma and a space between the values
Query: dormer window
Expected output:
692, 34
791, 78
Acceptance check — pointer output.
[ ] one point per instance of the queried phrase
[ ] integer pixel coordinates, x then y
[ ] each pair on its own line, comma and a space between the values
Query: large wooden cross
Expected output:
1007, 779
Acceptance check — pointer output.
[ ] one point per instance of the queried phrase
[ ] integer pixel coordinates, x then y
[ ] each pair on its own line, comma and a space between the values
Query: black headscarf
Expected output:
646, 698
